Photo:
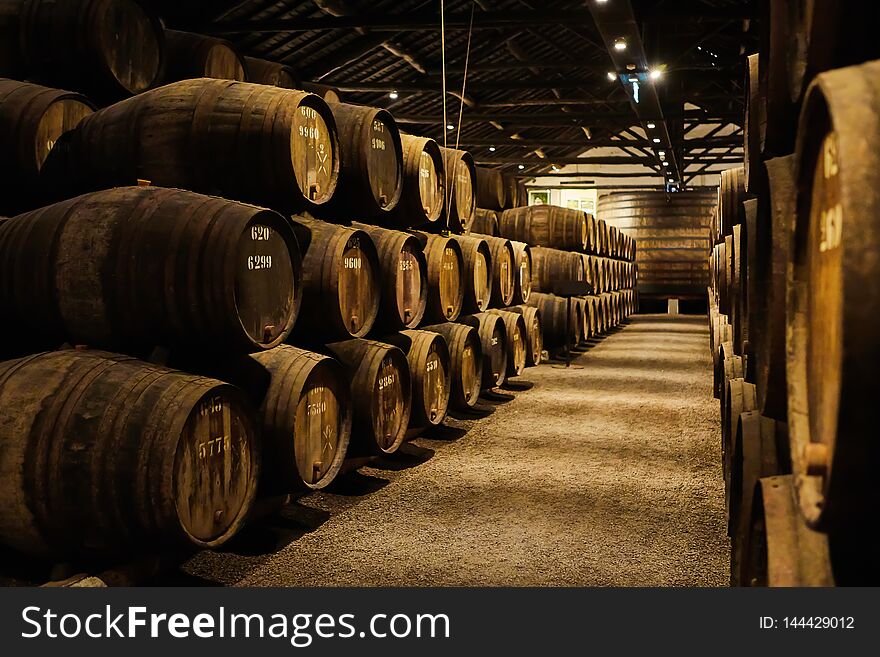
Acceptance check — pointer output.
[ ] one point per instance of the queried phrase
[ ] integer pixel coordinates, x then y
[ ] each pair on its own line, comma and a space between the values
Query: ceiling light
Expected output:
393, 95
555, 168
666, 164
656, 74
521, 167
652, 125
612, 76
449, 126
620, 43
662, 153
491, 149
656, 140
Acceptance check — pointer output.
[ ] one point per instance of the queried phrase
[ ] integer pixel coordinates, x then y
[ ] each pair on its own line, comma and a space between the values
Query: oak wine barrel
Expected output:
732, 193
423, 186
262, 71
490, 191
583, 318
545, 225
189, 56
754, 128
430, 367
523, 280
32, 119
534, 333
504, 271
514, 196
106, 455
341, 281
404, 278
466, 363
134, 267
380, 393
517, 341
493, 337
550, 266
461, 181
739, 398
446, 276
560, 329
477, 273
485, 223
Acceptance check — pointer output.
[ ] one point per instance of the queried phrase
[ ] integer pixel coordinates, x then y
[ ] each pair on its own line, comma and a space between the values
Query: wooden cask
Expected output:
517, 341
514, 196
477, 273
430, 367
190, 56
738, 398
504, 270
262, 71
583, 319
558, 321
534, 333
107, 49
592, 242
341, 281
370, 165
754, 128
404, 278
461, 183
522, 253
550, 266
466, 363
671, 234
485, 223
731, 194
423, 188
446, 275
545, 225
304, 413
106, 455
32, 120
134, 267
253, 143
380, 392
833, 309
493, 337
491, 192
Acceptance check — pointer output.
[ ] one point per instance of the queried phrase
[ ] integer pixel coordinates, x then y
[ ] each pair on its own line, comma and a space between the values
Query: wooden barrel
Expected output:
834, 306
381, 394
163, 266
446, 276
592, 316
493, 337
304, 414
671, 234
254, 143
732, 368
514, 193
430, 367
341, 281
583, 319
485, 223
517, 341
723, 335
477, 273
107, 455
189, 56
781, 111
466, 362
550, 266
739, 283
490, 191
534, 333
592, 245
423, 187
732, 193
739, 398
107, 49
461, 183
32, 120
504, 271
767, 276
370, 165
262, 71
404, 277
755, 125
545, 225
560, 328
523, 281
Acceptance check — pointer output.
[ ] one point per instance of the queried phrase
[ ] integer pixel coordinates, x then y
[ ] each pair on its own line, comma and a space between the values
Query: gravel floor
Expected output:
605, 474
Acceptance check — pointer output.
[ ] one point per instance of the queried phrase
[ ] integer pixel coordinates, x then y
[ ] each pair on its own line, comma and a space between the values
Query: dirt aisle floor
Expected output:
603, 474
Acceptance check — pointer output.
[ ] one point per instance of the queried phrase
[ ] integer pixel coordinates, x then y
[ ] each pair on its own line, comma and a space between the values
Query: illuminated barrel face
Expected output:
409, 285
389, 404
430, 185
384, 165
313, 155
320, 425
357, 284
450, 282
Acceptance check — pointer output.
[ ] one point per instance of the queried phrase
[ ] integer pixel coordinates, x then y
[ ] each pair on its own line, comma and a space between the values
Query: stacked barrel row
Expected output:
570, 246
795, 306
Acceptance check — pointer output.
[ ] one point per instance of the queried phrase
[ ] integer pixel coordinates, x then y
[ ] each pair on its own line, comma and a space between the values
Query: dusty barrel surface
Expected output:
550, 266
32, 119
504, 271
523, 280
491, 191
341, 281
404, 274
370, 165
834, 305
466, 362
477, 273
460, 203
545, 225
517, 341
430, 368
559, 323
380, 392
254, 143
485, 223
108, 49
189, 55
671, 236
423, 187
262, 71
304, 414
446, 276
133, 267
173, 460
493, 337
534, 333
